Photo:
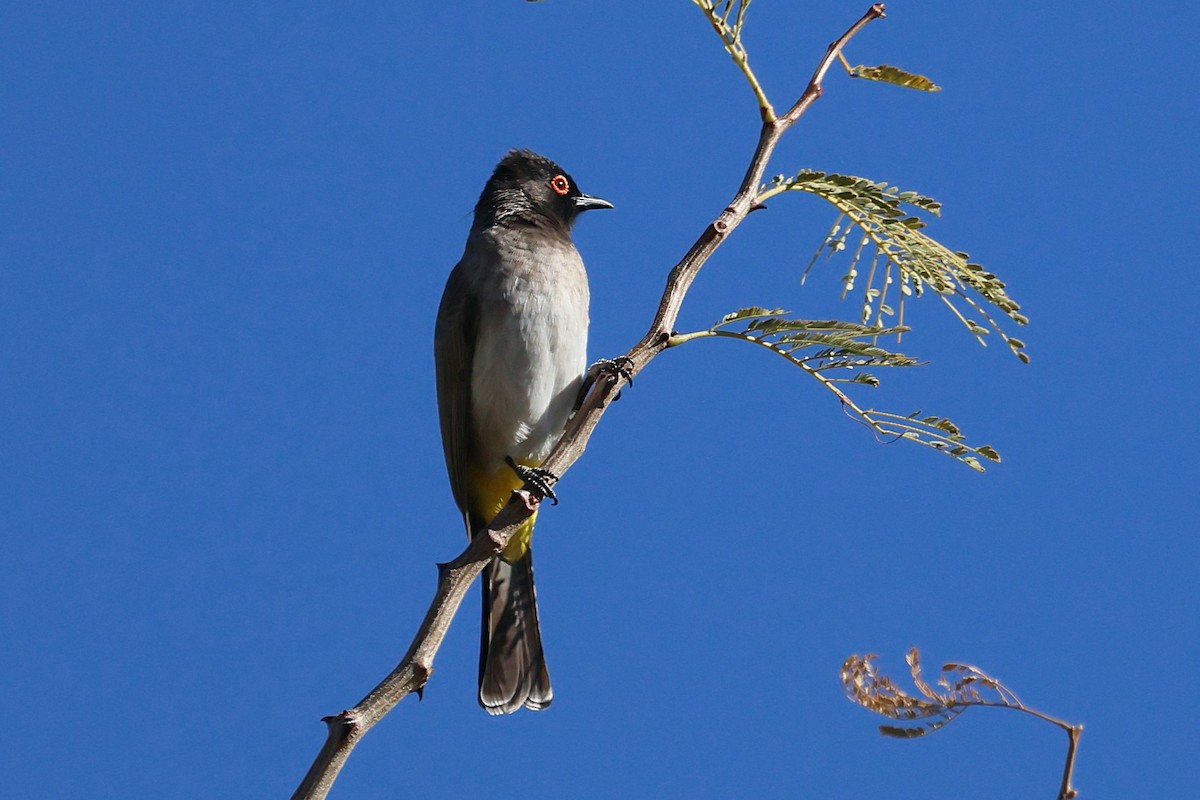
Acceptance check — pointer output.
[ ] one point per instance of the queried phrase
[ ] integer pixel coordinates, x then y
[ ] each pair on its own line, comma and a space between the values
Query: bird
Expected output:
510, 346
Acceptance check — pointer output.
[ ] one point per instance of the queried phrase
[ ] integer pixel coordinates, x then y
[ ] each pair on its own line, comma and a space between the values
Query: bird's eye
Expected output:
560, 184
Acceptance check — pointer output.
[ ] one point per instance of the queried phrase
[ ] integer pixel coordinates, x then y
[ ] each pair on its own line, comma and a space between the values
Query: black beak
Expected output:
585, 202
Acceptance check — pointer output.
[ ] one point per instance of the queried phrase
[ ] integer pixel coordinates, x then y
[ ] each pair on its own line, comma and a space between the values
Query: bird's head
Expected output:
534, 189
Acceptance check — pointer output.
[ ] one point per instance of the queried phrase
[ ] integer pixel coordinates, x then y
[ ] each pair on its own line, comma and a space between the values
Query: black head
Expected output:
531, 188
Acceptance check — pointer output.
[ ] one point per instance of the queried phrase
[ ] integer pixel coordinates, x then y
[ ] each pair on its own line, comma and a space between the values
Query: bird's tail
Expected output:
512, 668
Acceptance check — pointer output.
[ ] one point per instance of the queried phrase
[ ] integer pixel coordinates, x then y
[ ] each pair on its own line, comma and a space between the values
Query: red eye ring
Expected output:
560, 184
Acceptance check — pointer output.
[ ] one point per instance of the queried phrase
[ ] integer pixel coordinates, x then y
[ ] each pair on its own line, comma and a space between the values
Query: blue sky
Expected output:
226, 227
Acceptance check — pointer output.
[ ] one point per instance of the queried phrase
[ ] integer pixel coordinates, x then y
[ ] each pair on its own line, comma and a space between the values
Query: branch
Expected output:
960, 687
346, 729
410, 675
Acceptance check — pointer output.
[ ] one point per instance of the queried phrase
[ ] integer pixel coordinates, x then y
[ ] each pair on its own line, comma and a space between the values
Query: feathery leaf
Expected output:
910, 257
847, 350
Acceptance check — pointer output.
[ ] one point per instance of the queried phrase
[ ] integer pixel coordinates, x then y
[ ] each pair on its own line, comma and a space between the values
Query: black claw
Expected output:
621, 365
538, 478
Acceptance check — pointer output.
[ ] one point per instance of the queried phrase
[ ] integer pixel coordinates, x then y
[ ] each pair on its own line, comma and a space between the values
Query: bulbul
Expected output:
511, 353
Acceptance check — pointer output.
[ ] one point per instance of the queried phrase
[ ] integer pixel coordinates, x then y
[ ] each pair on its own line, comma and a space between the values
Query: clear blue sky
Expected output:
225, 230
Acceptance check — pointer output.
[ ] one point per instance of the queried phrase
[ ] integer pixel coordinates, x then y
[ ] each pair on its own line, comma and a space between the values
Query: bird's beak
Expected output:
585, 202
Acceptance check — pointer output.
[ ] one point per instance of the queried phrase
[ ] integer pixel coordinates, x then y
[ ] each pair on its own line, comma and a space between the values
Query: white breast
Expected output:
531, 351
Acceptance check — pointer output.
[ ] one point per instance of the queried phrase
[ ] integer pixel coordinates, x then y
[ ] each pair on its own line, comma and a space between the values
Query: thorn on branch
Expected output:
341, 726
421, 674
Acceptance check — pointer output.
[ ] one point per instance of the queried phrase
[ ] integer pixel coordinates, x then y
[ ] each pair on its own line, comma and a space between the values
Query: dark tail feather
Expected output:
512, 668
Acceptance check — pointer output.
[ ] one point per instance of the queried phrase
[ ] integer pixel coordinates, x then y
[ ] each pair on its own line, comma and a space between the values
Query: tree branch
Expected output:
346, 729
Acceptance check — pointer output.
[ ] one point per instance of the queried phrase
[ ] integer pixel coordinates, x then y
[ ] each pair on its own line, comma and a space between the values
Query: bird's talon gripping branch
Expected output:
540, 479
621, 365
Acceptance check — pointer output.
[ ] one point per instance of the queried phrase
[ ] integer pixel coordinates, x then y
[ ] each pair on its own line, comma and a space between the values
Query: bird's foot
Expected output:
538, 478
621, 366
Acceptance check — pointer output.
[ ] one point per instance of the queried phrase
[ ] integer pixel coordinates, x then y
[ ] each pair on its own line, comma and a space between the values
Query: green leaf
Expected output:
886, 73
827, 350
904, 253
947, 426
751, 312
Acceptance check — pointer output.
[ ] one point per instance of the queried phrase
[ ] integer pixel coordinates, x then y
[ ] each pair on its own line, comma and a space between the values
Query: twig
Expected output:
413, 671
879, 693
346, 729
732, 38
1065, 791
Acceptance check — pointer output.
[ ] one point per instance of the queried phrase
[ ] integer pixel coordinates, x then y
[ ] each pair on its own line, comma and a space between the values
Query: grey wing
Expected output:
454, 354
